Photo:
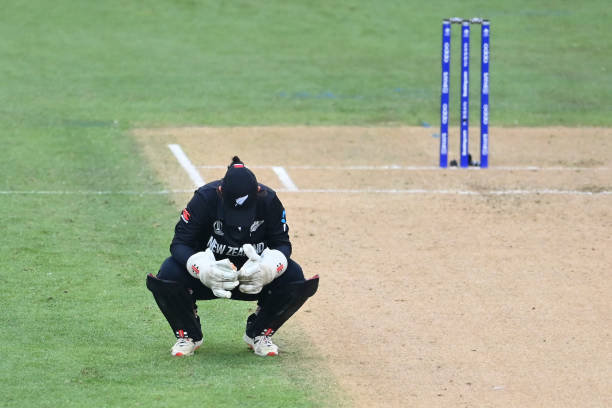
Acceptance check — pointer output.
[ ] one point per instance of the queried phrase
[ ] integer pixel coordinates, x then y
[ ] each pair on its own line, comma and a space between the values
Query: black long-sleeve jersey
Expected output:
200, 227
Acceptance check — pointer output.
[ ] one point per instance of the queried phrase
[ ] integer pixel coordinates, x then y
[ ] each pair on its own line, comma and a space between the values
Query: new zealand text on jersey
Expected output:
226, 250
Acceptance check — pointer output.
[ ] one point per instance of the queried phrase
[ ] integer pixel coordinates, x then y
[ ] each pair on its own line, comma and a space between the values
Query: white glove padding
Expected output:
258, 271
220, 276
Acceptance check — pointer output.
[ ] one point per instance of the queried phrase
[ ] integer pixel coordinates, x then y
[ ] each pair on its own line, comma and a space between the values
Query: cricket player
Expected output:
231, 242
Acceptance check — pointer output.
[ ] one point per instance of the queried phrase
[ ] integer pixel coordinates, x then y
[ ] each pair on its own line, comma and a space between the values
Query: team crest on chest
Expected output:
218, 227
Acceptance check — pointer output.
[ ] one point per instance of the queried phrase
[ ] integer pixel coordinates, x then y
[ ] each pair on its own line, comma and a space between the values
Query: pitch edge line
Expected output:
186, 164
284, 178
333, 191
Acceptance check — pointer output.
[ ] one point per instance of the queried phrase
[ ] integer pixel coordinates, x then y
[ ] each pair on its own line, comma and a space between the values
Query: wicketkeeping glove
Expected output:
220, 276
258, 271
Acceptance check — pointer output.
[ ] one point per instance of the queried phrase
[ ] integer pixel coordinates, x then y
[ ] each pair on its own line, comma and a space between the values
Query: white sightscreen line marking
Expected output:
332, 191
184, 161
283, 176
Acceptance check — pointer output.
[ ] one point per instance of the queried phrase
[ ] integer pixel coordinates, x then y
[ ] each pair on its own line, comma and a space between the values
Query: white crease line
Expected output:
419, 168
552, 168
331, 191
455, 192
184, 161
84, 192
283, 176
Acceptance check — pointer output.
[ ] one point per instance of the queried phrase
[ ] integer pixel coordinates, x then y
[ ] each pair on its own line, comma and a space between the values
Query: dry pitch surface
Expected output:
439, 288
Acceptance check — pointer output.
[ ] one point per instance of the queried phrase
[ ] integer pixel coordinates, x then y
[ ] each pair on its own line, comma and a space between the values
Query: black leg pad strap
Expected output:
177, 305
277, 308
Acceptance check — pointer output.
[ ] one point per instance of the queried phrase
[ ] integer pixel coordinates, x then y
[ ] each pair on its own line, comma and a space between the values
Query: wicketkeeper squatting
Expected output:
231, 241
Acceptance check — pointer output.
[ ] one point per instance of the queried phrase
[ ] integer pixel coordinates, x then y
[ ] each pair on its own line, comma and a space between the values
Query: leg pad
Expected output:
177, 305
279, 305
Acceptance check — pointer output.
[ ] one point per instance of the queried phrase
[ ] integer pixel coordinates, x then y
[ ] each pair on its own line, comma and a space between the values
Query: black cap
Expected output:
239, 192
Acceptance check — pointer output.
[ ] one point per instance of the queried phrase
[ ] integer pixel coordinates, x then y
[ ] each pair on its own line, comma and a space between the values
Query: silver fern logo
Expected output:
256, 224
241, 200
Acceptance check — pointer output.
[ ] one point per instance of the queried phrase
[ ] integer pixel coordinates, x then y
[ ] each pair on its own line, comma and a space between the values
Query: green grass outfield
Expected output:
78, 326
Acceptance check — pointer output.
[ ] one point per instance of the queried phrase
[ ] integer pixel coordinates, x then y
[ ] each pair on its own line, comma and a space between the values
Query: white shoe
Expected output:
261, 345
185, 346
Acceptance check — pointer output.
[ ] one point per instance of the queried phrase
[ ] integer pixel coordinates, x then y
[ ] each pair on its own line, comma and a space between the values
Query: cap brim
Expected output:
238, 217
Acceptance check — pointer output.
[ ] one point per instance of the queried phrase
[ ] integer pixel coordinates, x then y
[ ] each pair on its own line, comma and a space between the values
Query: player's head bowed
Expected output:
239, 193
